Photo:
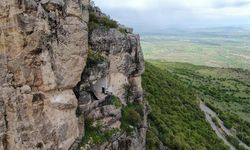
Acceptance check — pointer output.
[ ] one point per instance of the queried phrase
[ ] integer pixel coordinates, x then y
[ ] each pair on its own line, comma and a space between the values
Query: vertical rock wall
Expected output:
115, 63
43, 50
44, 54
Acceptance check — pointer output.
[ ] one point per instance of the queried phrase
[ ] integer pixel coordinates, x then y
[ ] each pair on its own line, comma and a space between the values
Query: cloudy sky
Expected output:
150, 15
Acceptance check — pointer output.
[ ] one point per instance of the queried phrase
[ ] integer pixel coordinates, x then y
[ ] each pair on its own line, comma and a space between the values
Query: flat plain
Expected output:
211, 48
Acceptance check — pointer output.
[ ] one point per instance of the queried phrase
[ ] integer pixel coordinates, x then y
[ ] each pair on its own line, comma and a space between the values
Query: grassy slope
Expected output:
176, 120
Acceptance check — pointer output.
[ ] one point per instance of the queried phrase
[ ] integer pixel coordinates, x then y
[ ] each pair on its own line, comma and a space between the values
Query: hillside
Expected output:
175, 121
174, 92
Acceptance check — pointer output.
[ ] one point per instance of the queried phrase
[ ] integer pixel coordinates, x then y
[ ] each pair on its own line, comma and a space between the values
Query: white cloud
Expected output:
160, 13
148, 4
129, 4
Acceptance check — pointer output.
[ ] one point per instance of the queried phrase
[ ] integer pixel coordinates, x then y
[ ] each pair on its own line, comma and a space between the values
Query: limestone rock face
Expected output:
124, 50
43, 51
124, 61
115, 63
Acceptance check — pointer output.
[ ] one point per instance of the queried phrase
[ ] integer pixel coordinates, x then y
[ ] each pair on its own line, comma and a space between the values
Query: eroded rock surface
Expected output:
43, 50
44, 55
114, 67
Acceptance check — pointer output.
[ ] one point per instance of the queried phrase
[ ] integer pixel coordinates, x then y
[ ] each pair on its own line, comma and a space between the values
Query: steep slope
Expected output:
226, 92
110, 90
58, 90
43, 50
175, 121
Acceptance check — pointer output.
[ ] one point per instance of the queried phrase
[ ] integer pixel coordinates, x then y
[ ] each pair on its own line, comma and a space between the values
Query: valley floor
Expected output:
217, 51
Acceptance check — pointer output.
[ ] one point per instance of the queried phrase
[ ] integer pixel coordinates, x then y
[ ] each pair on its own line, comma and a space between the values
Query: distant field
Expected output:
216, 51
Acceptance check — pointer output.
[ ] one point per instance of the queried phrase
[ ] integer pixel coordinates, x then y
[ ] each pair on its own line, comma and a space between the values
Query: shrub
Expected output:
216, 122
128, 90
100, 21
116, 101
122, 30
94, 57
92, 26
131, 116
152, 140
235, 142
94, 135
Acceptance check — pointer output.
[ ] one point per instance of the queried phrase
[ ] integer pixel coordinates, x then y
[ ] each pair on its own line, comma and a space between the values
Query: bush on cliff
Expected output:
131, 116
94, 57
116, 101
94, 135
100, 21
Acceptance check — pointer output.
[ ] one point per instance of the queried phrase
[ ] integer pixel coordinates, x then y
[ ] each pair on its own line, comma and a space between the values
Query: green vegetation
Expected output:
122, 30
104, 22
235, 142
94, 57
116, 101
128, 90
216, 122
225, 91
94, 135
99, 21
131, 116
175, 120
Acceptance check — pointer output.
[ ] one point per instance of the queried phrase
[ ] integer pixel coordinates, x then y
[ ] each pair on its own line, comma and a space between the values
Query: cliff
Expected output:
61, 78
43, 52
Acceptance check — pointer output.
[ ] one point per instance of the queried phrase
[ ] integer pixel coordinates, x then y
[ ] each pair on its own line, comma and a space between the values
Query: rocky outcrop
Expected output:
114, 66
43, 50
55, 75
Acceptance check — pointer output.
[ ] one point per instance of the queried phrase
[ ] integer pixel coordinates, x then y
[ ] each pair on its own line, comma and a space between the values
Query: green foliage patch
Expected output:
116, 101
131, 116
100, 21
175, 120
94, 57
224, 90
94, 135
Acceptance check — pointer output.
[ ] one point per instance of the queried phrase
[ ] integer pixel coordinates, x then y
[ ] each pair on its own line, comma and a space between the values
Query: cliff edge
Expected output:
67, 70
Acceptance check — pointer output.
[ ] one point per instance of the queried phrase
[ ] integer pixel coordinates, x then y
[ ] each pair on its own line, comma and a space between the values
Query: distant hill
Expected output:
215, 31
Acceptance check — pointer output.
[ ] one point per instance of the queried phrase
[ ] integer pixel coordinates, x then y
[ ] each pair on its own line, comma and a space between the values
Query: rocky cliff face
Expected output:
43, 50
114, 69
44, 55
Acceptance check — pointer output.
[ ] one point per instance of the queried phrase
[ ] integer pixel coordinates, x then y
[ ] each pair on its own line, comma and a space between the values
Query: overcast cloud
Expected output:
153, 15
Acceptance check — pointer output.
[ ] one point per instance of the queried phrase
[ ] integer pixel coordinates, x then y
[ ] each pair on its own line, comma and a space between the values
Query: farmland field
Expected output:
220, 50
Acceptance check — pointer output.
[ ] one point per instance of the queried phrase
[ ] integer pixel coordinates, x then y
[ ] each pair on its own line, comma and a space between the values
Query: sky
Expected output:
157, 15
